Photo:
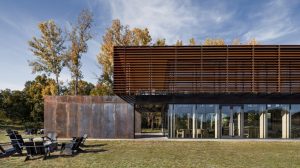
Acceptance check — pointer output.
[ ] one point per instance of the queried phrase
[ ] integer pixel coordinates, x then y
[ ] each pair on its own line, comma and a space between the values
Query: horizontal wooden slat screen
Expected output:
206, 69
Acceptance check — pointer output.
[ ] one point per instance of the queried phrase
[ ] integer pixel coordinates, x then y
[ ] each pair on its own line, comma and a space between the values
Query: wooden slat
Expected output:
206, 69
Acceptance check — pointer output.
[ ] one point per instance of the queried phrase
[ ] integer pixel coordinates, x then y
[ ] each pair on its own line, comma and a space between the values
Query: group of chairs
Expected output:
44, 146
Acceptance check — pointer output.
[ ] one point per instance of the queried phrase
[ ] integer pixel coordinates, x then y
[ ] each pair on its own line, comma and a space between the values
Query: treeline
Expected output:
27, 105
56, 49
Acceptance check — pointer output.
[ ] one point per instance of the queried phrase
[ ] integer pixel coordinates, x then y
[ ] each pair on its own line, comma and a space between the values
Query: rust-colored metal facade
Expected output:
98, 116
207, 69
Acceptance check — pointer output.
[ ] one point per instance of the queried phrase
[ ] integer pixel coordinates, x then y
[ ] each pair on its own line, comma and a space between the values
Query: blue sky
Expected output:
270, 22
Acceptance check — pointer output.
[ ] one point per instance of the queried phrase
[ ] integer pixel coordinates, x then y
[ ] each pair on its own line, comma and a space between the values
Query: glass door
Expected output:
231, 117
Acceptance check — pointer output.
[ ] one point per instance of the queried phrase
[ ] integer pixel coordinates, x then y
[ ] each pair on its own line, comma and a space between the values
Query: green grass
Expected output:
171, 154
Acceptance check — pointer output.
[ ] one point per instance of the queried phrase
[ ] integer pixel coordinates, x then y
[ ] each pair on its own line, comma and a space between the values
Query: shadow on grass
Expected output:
93, 145
75, 155
55, 156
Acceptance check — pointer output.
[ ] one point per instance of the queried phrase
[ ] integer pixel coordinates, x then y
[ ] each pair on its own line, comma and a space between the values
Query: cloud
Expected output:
173, 20
272, 21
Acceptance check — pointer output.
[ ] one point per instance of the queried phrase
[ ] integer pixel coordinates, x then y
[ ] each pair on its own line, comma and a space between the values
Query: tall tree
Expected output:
116, 35
160, 42
192, 42
209, 41
48, 49
80, 34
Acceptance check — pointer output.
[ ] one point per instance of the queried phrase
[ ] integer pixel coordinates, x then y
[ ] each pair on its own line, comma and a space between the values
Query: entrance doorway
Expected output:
231, 121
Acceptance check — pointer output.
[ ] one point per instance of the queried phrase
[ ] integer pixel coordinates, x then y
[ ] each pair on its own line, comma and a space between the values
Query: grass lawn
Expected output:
170, 154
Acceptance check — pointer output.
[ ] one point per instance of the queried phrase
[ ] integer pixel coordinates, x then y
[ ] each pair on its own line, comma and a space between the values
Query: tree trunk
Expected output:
76, 86
57, 84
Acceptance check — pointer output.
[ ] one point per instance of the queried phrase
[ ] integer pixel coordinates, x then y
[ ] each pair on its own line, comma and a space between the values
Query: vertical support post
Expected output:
231, 125
174, 123
194, 121
218, 123
170, 121
286, 125
263, 125
241, 123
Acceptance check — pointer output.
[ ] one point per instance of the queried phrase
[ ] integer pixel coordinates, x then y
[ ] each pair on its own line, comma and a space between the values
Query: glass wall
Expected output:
192, 121
251, 120
274, 119
239, 121
295, 120
205, 117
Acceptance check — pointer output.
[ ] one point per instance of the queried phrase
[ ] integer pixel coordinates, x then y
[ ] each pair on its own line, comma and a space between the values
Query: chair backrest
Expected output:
52, 136
84, 137
77, 143
9, 131
16, 141
35, 148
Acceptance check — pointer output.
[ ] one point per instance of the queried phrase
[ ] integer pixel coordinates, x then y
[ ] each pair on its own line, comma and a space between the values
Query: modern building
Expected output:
230, 91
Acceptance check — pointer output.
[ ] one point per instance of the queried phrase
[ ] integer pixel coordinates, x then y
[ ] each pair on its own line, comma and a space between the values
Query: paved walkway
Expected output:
193, 140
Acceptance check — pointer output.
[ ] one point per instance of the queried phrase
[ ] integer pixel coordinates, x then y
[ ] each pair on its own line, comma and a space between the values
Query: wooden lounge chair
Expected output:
35, 149
73, 147
85, 136
7, 152
16, 141
51, 140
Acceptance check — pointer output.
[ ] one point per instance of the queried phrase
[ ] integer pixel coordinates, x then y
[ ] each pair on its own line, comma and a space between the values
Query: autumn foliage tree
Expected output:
209, 41
117, 35
49, 50
79, 36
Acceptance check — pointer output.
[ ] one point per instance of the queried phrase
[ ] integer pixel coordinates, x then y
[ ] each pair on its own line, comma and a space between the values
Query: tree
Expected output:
14, 105
160, 42
209, 41
84, 87
236, 42
141, 37
192, 42
80, 34
117, 35
253, 42
100, 90
48, 49
178, 43
35, 91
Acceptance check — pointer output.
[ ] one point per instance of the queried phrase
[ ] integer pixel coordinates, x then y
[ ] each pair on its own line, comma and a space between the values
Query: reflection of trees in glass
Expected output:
275, 123
181, 121
252, 119
295, 124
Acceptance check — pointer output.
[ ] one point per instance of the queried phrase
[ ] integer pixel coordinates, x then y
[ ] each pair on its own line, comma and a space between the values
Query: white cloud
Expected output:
273, 21
172, 20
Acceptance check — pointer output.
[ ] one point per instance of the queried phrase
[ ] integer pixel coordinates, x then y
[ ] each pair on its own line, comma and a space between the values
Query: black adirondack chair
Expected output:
7, 152
35, 149
16, 140
51, 140
73, 147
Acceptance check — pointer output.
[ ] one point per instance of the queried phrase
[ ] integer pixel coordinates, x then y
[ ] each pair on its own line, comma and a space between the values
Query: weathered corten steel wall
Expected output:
98, 116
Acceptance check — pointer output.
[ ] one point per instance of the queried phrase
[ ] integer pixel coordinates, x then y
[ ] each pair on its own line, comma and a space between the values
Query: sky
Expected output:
268, 21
